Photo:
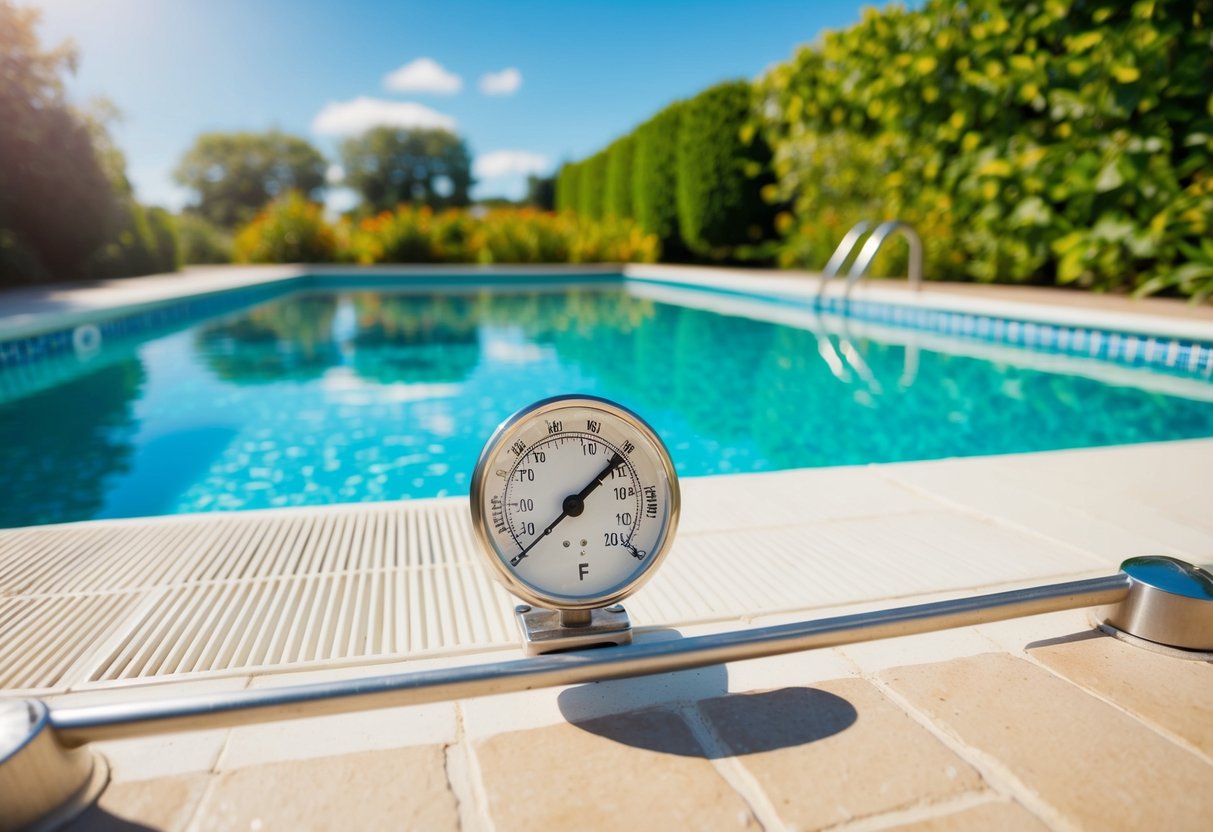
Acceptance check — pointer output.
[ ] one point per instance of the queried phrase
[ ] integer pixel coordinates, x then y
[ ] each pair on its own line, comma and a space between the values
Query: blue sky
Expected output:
582, 73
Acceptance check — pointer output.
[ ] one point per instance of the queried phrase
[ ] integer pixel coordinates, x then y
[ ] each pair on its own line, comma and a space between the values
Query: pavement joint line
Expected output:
1156, 728
995, 520
729, 768
993, 771
924, 810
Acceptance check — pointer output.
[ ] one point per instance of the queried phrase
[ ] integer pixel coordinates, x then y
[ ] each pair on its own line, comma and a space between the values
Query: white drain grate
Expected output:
153, 599
45, 641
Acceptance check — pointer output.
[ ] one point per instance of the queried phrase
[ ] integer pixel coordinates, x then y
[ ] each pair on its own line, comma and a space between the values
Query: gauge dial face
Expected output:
575, 500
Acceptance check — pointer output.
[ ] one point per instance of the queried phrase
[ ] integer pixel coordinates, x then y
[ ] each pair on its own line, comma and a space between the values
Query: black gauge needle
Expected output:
573, 505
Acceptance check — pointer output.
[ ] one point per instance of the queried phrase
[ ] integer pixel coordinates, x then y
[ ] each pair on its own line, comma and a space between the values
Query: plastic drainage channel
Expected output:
45, 776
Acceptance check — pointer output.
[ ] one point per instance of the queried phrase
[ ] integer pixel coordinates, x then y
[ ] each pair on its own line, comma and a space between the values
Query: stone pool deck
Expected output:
1037, 723
1033, 723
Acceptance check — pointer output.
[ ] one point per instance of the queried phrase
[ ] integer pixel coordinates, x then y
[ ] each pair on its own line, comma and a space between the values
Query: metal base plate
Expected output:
543, 632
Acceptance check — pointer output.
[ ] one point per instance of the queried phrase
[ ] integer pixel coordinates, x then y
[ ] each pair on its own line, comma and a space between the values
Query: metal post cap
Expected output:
1170, 602
42, 784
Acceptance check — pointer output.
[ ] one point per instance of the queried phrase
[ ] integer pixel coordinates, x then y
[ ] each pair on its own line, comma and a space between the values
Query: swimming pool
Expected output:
321, 391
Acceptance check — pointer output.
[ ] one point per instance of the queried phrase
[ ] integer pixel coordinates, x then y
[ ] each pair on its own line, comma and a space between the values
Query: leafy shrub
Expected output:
591, 192
132, 251
617, 200
288, 230
1057, 141
722, 168
201, 241
654, 184
167, 247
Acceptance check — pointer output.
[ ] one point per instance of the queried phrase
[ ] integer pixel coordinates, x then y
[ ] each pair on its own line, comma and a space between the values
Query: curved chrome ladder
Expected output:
868, 253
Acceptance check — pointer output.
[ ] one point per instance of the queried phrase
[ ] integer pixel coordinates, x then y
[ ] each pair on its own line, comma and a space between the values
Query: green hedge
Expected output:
568, 194
591, 191
1047, 141
654, 182
618, 197
722, 168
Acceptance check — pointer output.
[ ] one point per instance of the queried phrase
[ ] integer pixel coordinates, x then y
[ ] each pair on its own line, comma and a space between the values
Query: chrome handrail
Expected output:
79, 725
870, 249
839, 258
48, 775
868, 253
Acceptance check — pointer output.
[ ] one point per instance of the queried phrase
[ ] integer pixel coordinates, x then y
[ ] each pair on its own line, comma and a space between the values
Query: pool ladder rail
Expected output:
859, 268
48, 774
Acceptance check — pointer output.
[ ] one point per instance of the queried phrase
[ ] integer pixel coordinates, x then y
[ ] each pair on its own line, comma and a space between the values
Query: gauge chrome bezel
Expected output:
480, 521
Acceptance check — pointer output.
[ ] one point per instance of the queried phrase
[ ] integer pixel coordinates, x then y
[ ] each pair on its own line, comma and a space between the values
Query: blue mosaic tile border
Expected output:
33, 348
91, 336
1162, 353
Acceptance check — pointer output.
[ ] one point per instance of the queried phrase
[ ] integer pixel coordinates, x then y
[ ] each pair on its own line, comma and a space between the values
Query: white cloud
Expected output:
507, 162
335, 174
343, 118
505, 82
423, 75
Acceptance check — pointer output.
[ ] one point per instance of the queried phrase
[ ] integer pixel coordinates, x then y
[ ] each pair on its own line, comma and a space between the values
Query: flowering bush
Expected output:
505, 235
288, 230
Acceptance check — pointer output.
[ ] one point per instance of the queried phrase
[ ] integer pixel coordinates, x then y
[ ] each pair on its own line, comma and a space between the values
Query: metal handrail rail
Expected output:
48, 775
80, 725
867, 254
839, 258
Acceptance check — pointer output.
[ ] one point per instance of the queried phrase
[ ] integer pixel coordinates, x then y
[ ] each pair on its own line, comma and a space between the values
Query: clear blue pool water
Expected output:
319, 397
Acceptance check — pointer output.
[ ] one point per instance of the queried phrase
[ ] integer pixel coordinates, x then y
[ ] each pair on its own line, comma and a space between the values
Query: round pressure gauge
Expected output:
575, 501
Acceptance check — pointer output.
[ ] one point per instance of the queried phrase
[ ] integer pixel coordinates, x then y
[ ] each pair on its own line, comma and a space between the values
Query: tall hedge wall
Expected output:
654, 188
568, 194
591, 190
1034, 140
618, 198
722, 166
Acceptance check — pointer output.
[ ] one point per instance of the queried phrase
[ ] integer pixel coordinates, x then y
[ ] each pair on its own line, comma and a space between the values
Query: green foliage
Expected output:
568, 187
56, 204
722, 168
167, 248
291, 229
591, 190
132, 251
201, 241
233, 174
391, 166
617, 201
654, 184
541, 192
1037, 141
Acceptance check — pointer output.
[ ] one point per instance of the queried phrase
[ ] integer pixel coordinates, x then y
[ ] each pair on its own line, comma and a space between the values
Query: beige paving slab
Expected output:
400, 789
873, 656
799, 497
1112, 502
836, 752
1175, 695
487, 716
166, 803
993, 816
642, 770
1086, 761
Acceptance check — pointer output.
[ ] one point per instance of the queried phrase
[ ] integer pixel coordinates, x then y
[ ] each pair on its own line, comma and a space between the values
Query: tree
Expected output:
541, 192
390, 165
56, 204
233, 175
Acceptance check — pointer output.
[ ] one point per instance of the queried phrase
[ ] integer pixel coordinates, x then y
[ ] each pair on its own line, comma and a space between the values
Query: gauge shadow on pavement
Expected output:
690, 713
